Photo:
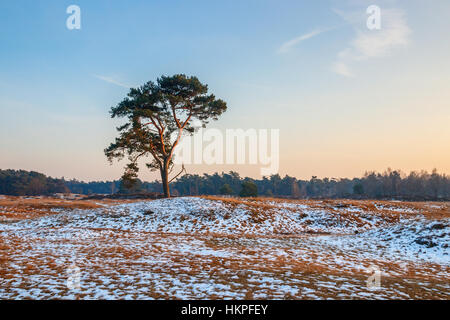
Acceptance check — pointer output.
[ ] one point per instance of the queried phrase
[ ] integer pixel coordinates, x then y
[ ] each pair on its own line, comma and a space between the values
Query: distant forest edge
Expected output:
391, 184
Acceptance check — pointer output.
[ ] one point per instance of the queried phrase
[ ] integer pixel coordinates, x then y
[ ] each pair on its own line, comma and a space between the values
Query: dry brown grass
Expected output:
434, 210
32, 207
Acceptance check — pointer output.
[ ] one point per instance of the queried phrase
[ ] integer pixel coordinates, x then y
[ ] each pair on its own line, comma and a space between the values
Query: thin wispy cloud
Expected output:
112, 80
288, 45
368, 44
342, 69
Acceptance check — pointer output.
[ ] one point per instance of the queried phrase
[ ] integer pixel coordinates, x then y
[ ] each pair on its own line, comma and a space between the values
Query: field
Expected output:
223, 248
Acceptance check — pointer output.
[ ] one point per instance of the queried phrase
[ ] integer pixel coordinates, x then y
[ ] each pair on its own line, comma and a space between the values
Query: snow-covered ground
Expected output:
210, 248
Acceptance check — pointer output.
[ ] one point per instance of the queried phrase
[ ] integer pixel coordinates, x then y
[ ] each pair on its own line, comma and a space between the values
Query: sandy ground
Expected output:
223, 248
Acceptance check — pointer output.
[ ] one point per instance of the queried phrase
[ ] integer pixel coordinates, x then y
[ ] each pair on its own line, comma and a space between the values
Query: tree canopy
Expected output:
391, 184
26, 183
249, 189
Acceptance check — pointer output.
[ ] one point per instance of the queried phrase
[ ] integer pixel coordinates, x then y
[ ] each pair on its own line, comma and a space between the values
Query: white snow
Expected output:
191, 248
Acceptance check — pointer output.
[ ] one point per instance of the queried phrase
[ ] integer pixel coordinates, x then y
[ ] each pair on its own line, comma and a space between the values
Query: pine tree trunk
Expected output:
165, 180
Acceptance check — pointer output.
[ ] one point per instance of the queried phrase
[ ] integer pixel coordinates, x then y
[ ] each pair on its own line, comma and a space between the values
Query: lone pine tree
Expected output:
156, 111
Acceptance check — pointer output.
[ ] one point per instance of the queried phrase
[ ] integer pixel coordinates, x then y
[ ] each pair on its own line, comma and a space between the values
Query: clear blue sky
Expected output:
345, 99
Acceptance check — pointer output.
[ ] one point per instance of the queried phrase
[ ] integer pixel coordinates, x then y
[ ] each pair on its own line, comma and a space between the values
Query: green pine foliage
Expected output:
249, 189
